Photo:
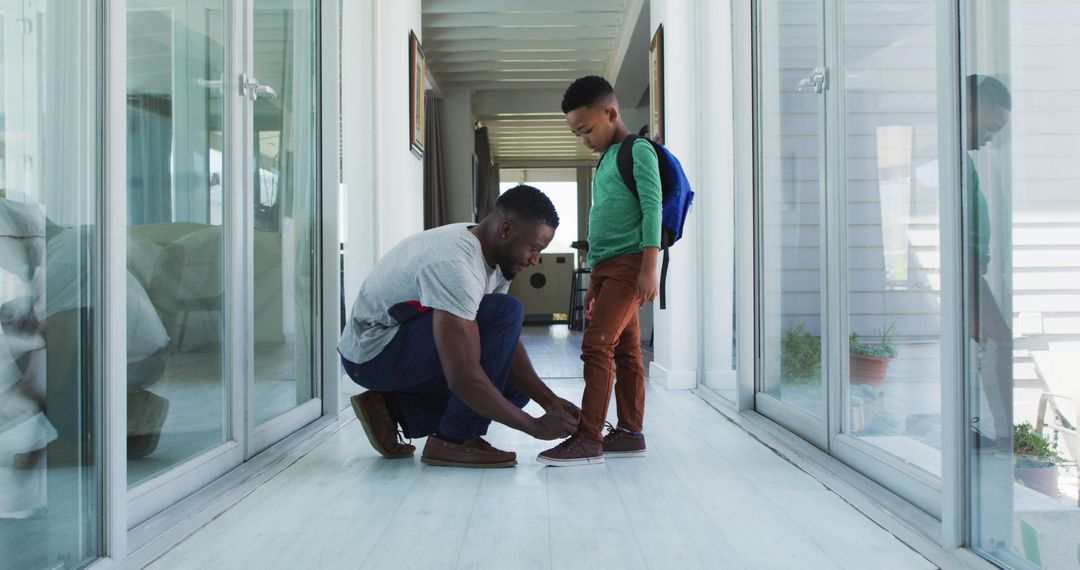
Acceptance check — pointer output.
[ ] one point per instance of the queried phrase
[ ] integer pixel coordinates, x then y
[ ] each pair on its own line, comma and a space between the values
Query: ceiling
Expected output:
528, 52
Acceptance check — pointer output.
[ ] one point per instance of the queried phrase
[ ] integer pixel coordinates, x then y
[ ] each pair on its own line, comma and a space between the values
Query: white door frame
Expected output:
943, 498
150, 501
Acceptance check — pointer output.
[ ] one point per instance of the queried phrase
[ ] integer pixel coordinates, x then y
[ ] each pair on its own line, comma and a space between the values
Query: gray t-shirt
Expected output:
442, 268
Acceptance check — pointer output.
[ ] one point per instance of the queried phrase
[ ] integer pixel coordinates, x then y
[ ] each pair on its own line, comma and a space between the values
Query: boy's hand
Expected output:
647, 287
590, 300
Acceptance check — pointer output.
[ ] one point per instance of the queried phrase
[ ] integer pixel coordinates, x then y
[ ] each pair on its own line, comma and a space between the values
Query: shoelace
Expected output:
613, 433
403, 439
569, 442
572, 441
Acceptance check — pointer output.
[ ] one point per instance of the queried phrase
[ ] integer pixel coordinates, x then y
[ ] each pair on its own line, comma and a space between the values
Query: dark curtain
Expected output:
434, 179
487, 178
149, 149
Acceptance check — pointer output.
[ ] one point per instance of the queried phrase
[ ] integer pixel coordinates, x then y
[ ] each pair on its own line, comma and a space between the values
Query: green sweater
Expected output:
619, 223
979, 234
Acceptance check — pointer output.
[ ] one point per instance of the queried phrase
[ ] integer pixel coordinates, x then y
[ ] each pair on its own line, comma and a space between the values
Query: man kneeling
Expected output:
434, 338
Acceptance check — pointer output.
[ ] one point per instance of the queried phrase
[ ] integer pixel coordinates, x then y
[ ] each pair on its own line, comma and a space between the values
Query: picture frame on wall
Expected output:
417, 88
656, 85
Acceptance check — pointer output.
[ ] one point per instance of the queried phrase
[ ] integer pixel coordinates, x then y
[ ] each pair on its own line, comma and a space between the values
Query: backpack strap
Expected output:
625, 161
663, 279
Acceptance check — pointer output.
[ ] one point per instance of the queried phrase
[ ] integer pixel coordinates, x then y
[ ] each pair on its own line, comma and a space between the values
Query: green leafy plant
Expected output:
800, 362
1031, 446
881, 349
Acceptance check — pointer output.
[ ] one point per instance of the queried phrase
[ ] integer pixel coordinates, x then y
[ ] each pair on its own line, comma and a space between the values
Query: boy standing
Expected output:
624, 240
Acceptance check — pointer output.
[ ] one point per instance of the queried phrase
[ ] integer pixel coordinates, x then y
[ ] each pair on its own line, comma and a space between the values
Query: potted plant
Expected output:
1036, 460
800, 359
870, 361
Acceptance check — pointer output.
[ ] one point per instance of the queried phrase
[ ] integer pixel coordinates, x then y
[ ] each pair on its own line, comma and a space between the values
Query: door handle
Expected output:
817, 81
252, 88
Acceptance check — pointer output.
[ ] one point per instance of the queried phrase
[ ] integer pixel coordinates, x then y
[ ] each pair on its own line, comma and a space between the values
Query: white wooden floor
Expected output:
707, 496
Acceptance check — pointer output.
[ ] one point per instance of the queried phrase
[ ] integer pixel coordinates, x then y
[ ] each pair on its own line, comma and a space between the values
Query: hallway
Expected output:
708, 495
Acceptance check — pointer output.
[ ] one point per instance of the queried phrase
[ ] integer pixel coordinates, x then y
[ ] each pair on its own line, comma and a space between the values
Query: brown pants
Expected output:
611, 349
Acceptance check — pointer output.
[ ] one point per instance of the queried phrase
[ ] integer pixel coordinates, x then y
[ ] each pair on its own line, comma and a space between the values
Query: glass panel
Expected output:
893, 238
789, 208
286, 218
50, 396
177, 397
1023, 258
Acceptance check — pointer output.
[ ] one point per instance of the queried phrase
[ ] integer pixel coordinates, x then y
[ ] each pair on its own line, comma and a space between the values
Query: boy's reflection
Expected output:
990, 326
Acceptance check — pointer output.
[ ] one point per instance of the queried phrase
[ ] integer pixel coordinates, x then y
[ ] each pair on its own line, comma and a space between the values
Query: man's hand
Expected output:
555, 424
590, 300
563, 405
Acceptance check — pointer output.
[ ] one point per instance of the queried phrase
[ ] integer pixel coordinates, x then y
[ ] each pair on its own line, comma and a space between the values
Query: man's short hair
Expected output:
586, 92
986, 91
527, 202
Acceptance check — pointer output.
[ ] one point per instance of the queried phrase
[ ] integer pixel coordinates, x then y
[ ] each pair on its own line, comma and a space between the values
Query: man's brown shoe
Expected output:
380, 428
619, 442
473, 453
575, 450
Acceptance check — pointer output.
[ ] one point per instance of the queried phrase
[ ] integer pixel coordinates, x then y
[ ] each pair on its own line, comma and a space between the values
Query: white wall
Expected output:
383, 180
716, 196
399, 173
676, 343
458, 146
634, 117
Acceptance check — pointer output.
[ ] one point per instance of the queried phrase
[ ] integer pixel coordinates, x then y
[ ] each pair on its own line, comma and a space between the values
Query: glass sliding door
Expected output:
51, 391
285, 224
1022, 258
790, 188
849, 233
178, 392
891, 230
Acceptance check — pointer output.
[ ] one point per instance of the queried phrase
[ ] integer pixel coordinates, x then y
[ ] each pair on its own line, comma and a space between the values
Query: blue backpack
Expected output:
676, 197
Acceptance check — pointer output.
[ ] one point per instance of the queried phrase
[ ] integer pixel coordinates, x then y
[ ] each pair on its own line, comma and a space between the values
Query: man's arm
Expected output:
458, 344
524, 377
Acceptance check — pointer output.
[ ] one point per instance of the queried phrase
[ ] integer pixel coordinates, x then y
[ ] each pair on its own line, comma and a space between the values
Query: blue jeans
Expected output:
410, 376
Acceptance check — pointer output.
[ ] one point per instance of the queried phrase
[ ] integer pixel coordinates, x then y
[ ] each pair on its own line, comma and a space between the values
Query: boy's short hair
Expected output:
987, 90
586, 92
530, 203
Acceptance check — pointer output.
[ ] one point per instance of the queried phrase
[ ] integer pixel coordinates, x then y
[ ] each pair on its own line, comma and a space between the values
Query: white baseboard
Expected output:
673, 379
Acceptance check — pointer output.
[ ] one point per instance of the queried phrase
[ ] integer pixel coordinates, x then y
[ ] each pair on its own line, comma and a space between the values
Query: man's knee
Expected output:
500, 310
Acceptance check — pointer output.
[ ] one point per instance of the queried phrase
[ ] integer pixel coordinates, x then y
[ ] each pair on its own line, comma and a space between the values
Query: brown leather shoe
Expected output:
619, 442
380, 428
574, 450
473, 453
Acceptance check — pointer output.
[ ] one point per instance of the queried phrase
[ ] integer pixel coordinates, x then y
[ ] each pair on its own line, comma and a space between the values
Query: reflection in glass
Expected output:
893, 238
285, 223
177, 399
50, 395
1023, 266
789, 210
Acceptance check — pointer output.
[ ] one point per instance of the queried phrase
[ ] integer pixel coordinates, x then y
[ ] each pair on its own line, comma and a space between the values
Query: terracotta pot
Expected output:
1042, 478
869, 370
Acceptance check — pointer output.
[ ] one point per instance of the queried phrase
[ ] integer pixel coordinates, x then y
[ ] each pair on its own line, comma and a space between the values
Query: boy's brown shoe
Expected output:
475, 453
619, 442
575, 450
381, 429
